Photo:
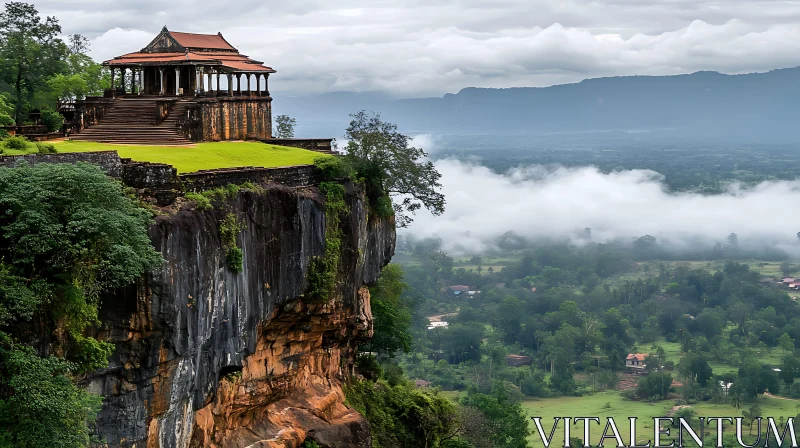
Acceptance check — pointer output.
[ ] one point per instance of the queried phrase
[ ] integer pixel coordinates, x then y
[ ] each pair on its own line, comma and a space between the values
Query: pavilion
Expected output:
188, 64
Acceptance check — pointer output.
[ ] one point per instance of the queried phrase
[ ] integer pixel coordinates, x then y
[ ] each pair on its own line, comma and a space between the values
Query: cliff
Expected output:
206, 357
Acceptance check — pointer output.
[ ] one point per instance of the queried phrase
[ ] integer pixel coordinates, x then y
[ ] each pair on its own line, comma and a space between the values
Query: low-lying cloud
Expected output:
557, 202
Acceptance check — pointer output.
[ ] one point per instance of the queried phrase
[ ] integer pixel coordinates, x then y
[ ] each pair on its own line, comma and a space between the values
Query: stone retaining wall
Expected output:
291, 176
312, 144
108, 161
162, 181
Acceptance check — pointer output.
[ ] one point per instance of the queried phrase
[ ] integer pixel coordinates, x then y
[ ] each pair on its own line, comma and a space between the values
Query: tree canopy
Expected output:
384, 157
68, 233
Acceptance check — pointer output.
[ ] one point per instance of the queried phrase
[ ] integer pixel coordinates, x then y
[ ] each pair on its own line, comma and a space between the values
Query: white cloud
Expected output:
560, 202
417, 47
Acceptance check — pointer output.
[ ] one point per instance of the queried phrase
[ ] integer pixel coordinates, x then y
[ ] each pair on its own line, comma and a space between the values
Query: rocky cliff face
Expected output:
211, 358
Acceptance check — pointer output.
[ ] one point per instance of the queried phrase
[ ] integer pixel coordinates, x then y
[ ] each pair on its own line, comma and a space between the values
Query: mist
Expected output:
540, 202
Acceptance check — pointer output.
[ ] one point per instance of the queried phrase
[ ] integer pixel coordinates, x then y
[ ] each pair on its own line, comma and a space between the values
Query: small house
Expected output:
518, 360
458, 289
422, 383
787, 280
636, 361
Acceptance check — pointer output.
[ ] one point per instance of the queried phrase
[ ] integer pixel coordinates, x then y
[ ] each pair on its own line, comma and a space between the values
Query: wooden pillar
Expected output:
230, 84
177, 81
141, 79
113, 71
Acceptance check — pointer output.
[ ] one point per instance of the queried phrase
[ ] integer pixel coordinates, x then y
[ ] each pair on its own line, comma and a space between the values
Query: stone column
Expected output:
177, 81
141, 80
247, 83
216, 91
266, 84
161, 90
230, 84
239, 83
113, 71
197, 80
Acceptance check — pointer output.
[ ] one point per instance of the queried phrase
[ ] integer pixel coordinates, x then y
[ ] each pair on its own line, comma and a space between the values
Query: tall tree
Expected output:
30, 52
384, 157
284, 125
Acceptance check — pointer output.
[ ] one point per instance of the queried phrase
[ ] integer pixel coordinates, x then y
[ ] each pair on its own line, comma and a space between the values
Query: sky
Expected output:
419, 48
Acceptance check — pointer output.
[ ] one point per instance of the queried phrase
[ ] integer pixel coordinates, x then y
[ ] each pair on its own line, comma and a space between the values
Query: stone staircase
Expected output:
132, 121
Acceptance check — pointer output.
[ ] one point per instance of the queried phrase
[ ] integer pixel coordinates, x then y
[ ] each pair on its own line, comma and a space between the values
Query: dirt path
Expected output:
767, 394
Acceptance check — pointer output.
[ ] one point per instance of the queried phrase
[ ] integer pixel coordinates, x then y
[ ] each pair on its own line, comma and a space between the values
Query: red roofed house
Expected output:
636, 361
181, 87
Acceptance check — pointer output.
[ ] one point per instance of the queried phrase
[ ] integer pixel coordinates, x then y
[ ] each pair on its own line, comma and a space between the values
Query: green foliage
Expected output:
389, 166
508, 425
5, 112
284, 125
40, 406
310, 444
234, 259
91, 354
71, 233
45, 148
391, 313
52, 119
322, 271
334, 168
383, 207
655, 386
18, 143
403, 416
31, 53
229, 229
201, 201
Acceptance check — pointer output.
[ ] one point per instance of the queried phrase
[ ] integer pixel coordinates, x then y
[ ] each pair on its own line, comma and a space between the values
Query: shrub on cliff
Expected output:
390, 166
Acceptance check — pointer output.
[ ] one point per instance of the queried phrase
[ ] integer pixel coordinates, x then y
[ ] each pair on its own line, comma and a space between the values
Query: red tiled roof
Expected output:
231, 59
192, 40
639, 356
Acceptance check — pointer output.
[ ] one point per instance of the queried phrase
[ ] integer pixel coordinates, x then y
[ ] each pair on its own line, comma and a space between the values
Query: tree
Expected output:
5, 112
30, 52
284, 125
694, 367
45, 408
654, 386
68, 233
391, 314
751, 414
390, 166
507, 421
786, 343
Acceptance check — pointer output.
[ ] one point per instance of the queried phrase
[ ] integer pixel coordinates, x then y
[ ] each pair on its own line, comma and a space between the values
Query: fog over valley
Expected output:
557, 202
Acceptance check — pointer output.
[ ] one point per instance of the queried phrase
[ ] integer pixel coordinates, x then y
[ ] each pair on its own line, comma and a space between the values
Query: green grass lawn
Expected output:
603, 405
202, 156
611, 404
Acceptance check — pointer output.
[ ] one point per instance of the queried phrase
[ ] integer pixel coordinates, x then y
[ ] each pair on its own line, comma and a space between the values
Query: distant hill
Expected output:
757, 105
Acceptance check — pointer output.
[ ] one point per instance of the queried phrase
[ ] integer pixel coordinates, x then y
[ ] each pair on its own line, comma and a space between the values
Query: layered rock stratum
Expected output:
206, 357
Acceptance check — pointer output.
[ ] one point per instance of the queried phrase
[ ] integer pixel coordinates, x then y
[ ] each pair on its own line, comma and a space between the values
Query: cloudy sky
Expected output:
431, 47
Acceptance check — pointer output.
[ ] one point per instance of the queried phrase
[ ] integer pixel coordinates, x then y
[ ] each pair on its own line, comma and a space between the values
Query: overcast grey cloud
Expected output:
430, 47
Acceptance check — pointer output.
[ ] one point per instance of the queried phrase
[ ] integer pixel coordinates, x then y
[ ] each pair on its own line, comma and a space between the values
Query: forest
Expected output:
554, 326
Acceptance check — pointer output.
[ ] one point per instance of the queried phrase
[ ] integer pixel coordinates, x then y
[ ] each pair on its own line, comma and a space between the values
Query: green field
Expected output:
611, 404
202, 156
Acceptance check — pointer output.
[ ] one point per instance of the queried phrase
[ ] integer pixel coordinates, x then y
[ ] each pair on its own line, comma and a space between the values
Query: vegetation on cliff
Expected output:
68, 234
390, 167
